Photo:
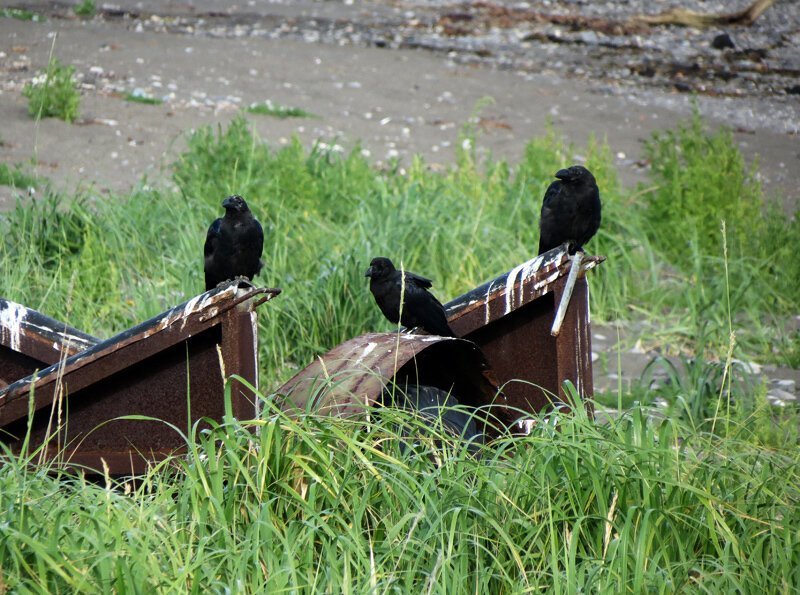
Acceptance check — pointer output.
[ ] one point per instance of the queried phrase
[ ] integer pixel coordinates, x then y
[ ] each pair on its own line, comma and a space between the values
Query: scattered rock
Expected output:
722, 41
785, 384
780, 398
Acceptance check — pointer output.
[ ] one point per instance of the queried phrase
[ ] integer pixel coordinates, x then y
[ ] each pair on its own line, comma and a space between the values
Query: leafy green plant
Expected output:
695, 389
16, 177
700, 179
53, 233
53, 94
21, 14
141, 98
297, 501
86, 8
277, 111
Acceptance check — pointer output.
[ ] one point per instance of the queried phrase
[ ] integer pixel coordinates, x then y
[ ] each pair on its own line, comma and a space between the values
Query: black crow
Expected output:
570, 210
233, 244
420, 308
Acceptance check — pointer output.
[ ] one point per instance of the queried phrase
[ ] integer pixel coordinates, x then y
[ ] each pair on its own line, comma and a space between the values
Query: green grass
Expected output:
53, 94
16, 177
326, 215
706, 500
277, 111
21, 14
145, 99
86, 8
319, 504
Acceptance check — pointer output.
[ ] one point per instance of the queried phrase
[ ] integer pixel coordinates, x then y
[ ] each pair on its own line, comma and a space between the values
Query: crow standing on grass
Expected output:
570, 210
420, 308
233, 244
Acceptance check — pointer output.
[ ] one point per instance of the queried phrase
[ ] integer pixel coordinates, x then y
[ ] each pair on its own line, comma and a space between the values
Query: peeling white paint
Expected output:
589, 309
487, 306
510, 280
254, 327
542, 283
66, 337
367, 350
195, 305
524, 271
11, 318
526, 425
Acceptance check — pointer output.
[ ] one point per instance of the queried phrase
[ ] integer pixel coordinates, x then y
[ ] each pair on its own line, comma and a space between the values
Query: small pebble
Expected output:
722, 41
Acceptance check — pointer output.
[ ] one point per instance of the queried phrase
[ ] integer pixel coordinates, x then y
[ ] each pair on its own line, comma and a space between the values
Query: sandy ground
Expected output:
394, 102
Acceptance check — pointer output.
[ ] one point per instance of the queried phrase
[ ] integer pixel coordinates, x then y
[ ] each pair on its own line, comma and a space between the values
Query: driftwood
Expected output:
690, 18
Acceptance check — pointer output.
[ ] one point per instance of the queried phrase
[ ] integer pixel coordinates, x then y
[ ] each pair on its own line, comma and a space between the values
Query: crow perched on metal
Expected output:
420, 308
570, 210
233, 244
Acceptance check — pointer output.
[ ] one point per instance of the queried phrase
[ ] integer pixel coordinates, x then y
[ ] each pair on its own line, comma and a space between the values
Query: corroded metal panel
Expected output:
30, 341
357, 373
510, 318
507, 320
169, 368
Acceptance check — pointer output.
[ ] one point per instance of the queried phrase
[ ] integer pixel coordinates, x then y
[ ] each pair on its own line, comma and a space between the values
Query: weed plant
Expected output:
306, 503
291, 503
86, 8
21, 14
140, 98
16, 177
277, 111
53, 94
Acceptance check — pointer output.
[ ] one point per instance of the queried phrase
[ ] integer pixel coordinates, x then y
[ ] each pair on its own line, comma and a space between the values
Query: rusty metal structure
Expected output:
170, 368
515, 362
30, 341
364, 371
510, 318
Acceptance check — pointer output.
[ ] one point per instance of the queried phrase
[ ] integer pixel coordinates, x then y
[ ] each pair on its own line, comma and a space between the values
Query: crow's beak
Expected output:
227, 203
369, 272
563, 174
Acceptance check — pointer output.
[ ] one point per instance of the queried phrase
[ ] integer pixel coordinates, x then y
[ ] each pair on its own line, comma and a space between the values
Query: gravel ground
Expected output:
568, 62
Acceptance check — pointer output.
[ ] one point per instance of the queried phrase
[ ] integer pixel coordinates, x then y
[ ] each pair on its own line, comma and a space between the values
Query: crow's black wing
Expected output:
550, 232
418, 280
559, 212
421, 308
212, 238
387, 295
251, 243
587, 219
212, 264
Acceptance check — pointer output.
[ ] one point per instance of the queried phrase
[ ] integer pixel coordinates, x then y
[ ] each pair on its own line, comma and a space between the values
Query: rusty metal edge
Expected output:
381, 354
518, 287
26, 330
204, 307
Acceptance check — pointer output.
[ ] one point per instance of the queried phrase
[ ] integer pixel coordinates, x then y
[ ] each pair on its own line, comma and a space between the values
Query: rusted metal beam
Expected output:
168, 368
512, 362
357, 373
510, 318
30, 341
